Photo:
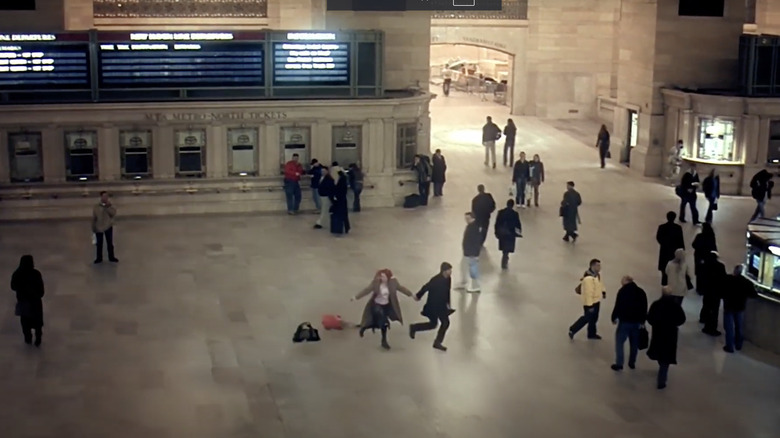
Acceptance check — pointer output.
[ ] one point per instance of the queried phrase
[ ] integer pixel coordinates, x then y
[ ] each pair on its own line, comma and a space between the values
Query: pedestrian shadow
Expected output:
467, 319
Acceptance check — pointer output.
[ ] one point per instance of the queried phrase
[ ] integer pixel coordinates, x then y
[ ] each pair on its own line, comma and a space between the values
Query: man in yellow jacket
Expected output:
592, 290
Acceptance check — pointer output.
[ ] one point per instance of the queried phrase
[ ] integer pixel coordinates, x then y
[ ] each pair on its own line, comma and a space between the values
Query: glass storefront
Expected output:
716, 140
762, 264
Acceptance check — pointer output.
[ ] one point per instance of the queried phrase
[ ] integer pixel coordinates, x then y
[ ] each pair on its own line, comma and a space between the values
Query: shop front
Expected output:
762, 267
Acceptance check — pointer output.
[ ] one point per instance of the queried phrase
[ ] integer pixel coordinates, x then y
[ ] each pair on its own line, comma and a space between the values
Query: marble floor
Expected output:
190, 334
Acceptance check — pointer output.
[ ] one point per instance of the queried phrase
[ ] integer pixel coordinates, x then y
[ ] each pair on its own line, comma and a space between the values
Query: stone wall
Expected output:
48, 17
768, 16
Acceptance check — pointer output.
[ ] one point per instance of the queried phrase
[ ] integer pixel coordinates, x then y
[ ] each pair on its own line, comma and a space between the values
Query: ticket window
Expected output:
136, 148
190, 153
295, 140
243, 147
25, 151
81, 155
347, 145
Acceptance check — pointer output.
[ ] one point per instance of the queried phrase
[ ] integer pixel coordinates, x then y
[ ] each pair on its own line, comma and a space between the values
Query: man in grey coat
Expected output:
570, 212
103, 226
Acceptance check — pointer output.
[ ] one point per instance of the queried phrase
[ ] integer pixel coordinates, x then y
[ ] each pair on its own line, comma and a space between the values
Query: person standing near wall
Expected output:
439, 175
326, 188
490, 134
103, 227
356, 184
339, 216
292, 184
316, 176
734, 302
422, 169
602, 143
510, 132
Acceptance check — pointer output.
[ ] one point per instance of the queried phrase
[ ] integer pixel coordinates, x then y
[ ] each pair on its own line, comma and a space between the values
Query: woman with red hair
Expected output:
383, 306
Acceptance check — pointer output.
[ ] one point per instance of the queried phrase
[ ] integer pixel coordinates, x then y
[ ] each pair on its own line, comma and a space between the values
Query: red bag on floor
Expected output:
332, 322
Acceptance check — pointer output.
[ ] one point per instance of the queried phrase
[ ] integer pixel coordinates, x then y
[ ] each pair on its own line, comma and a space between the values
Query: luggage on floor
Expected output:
412, 201
332, 322
305, 332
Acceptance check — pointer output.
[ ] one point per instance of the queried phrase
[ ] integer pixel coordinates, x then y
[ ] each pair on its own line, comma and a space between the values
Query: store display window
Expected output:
716, 140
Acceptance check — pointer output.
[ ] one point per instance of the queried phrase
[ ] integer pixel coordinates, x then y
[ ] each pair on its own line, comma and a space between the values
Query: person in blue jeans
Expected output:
472, 246
292, 184
735, 297
629, 313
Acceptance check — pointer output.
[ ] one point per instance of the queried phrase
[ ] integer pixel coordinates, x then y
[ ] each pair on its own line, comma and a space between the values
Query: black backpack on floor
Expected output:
412, 201
305, 332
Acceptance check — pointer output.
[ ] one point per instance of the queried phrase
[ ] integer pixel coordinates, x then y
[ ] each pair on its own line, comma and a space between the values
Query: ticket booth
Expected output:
25, 156
136, 149
190, 153
295, 140
81, 155
347, 145
243, 147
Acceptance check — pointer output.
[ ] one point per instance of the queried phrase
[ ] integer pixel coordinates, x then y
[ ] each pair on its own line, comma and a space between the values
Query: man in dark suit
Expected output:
482, 206
670, 238
715, 277
687, 193
437, 308
734, 303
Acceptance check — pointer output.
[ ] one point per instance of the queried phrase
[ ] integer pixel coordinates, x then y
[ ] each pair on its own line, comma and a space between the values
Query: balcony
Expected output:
511, 10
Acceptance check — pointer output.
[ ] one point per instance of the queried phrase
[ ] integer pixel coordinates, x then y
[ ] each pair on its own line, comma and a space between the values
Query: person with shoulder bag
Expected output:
592, 291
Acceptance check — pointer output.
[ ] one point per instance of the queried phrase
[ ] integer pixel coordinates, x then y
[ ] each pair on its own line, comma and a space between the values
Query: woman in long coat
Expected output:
339, 215
602, 143
383, 306
27, 282
507, 228
703, 245
665, 316
570, 211
439, 173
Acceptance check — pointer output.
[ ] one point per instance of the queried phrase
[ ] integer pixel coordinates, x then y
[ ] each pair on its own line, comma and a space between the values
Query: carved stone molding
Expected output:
510, 10
180, 8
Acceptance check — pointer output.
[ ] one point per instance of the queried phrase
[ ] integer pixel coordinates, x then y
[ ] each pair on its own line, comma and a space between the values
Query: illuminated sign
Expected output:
186, 36
309, 63
44, 61
311, 36
27, 37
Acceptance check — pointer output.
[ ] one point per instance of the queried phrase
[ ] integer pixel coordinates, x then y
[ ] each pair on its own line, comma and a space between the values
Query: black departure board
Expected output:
311, 59
44, 61
180, 59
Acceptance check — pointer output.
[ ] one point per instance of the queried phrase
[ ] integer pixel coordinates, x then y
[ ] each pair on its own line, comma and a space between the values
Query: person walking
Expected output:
734, 302
326, 189
591, 289
316, 176
439, 174
490, 134
383, 306
714, 277
422, 170
27, 282
472, 246
508, 229
703, 244
670, 238
510, 132
536, 178
355, 176
678, 276
629, 314
665, 316
569, 212
521, 173
602, 143
103, 216
686, 191
710, 187
761, 189
437, 307
482, 207
292, 184
339, 216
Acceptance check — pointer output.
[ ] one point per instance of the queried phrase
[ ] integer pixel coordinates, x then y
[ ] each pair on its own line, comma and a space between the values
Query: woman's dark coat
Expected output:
507, 229
28, 285
665, 316
570, 210
670, 238
439, 174
367, 320
339, 213
536, 170
438, 290
510, 131
712, 277
703, 245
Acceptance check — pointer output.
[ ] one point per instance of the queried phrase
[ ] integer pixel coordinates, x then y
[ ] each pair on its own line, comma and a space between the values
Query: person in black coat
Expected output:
316, 176
670, 238
629, 313
713, 276
710, 187
356, 184
437, 308
507, 229
439, 173
703, 244
339, 217
482, 206
325, 187
521, 173
27, 282
510, 131
569, 212
687, 193
734, 302
761, 189
422, 169
665, 316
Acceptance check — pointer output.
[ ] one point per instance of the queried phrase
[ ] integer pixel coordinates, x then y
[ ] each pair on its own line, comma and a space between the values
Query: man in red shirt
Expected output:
292, 187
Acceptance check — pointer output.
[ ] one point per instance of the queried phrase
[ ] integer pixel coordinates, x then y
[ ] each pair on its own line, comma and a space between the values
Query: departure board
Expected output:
180, 59
44, 61
311, 59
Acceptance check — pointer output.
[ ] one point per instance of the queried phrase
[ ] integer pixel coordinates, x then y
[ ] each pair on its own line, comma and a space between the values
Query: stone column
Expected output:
753, 131
271, 151
53, 154
163, 152
297, 14
108, 154
768, 16
321, 146
216, 151
390, 137
373, 139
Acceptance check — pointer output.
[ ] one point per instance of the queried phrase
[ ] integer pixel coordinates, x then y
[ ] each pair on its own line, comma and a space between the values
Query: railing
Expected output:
180, 9
511, 10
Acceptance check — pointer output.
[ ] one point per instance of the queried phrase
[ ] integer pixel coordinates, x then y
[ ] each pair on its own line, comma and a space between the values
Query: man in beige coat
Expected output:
103, 226
678, 276
592, 290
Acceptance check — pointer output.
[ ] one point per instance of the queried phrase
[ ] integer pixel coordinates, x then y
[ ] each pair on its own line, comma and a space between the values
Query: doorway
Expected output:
472, 71
632, 133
